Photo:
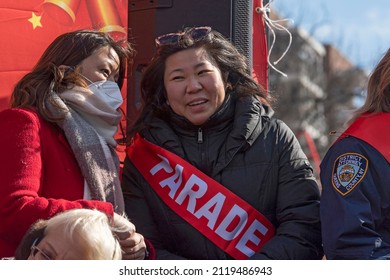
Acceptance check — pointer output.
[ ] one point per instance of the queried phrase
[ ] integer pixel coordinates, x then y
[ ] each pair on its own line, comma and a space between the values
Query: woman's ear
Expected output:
64, 68
229, 86
225, 77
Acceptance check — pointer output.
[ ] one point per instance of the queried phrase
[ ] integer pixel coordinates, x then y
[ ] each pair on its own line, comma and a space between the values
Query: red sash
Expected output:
223, 217
373, 129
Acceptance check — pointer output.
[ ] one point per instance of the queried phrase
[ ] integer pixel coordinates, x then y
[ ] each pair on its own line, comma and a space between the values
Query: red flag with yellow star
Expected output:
28, 27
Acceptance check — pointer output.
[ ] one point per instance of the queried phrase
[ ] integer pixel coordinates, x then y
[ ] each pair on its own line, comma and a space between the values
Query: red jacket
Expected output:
39, 176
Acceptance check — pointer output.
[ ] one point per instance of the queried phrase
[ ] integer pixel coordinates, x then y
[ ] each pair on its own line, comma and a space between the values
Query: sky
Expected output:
360, 29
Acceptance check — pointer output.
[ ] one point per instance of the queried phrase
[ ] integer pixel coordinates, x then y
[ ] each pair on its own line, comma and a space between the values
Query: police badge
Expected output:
348, 170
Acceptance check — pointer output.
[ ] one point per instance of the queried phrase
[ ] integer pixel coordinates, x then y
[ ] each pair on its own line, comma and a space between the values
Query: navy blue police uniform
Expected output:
355, 201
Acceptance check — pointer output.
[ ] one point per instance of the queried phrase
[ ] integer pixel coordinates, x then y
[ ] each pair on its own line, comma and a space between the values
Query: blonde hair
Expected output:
91, 228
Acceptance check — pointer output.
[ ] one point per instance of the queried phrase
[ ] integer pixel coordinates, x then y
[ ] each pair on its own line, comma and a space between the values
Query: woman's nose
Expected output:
193, 85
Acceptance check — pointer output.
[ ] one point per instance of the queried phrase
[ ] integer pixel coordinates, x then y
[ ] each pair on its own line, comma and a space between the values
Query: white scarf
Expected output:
87, 122
95, 111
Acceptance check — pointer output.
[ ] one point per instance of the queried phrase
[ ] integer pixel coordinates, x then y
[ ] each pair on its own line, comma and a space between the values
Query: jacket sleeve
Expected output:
298, 230
21, 178
354, 209
138, 211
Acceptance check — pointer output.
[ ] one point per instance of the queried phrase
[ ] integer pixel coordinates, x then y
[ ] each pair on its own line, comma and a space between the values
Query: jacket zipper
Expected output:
200, 136
202, 151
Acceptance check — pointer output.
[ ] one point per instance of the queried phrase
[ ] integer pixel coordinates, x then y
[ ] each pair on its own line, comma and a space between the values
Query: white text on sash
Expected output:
194, 191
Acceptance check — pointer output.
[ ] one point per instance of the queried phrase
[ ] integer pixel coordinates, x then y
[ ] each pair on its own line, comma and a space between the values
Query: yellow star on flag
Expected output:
35, 20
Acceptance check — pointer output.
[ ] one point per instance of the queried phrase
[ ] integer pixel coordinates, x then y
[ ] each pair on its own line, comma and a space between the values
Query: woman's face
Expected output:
194, 86
101, 65
57, 246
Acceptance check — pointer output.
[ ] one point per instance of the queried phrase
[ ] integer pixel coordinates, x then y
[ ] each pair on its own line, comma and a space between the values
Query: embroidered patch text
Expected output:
348, 171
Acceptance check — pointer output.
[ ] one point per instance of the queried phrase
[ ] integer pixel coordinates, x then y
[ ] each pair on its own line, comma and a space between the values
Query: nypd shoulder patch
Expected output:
348, 171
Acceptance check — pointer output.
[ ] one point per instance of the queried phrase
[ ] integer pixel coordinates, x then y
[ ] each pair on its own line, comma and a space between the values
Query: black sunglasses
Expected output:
196, 34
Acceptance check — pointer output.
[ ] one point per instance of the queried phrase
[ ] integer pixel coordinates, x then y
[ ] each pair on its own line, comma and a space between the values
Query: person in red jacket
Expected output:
57, 146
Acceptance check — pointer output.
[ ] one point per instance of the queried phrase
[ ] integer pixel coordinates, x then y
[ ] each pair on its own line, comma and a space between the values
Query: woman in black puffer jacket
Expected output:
201, 104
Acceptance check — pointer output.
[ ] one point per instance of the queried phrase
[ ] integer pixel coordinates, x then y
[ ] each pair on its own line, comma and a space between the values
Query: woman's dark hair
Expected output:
68, 49
221, 52
36, 231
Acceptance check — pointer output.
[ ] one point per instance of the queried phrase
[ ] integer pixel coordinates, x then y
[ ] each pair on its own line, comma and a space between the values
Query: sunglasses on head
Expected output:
196, 34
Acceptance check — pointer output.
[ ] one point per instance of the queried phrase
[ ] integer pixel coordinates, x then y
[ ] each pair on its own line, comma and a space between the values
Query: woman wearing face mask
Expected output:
210, 173
57, 146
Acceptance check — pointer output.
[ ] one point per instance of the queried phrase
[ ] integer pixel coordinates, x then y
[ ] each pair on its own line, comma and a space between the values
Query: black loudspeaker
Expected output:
149, 19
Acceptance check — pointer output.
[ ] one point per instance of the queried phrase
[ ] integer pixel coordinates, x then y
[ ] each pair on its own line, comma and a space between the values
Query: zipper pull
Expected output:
200, 136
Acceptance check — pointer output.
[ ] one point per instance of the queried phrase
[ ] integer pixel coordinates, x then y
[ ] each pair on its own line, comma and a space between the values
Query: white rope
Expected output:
274, 24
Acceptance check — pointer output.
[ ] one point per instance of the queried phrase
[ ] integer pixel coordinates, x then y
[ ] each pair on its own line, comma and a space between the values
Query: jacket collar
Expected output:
245, 115
221, 117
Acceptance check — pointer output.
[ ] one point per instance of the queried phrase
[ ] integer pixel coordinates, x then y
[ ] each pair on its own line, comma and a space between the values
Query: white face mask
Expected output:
109, 92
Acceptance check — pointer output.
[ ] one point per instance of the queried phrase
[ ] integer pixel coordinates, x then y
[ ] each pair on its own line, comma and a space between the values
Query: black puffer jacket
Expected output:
255, 156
